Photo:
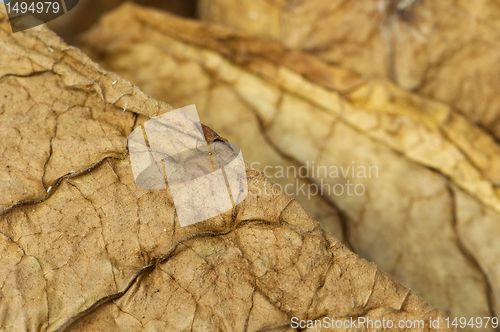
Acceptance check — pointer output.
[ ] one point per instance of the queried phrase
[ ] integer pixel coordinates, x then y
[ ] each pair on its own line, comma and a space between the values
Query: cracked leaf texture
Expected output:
430, 217
446, 50
85, 249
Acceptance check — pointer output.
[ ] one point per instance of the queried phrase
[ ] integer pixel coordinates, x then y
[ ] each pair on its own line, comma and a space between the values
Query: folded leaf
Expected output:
446, 50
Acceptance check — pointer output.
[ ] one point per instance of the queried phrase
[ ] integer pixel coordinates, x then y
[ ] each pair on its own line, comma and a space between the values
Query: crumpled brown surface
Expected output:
446, 50
84, 248
430, 217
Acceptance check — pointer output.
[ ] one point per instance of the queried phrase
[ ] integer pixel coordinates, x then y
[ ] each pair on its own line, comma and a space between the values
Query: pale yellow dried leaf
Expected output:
446, 50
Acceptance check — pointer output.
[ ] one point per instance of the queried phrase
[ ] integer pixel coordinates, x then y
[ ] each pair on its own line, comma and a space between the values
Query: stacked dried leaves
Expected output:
447, 50
84, 248
431, 216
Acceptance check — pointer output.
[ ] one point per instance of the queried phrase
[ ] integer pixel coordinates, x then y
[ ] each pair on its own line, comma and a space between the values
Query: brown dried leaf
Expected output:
96, 241
446, 50
430, 217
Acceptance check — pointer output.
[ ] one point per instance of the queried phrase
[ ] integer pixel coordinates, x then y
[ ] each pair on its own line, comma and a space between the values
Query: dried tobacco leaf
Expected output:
96, 241
446, 50
430, 214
